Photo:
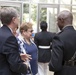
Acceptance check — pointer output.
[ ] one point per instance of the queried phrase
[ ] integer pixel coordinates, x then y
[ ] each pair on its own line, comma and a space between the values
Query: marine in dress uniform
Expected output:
43, 41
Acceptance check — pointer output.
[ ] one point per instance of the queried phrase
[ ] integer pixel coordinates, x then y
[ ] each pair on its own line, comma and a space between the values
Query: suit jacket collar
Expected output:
5, 26
67, 27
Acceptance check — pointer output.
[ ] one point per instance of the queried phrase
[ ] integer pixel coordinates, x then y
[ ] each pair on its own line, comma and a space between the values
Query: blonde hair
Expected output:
25, 26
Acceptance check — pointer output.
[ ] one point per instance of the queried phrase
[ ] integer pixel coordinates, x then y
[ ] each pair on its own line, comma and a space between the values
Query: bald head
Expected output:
65, 18
66, 15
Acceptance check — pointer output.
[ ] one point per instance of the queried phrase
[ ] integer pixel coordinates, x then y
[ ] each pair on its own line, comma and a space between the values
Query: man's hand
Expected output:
26, 63
25, 57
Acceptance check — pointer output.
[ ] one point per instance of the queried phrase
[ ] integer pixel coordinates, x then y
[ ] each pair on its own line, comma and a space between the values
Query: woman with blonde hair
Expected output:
28, 45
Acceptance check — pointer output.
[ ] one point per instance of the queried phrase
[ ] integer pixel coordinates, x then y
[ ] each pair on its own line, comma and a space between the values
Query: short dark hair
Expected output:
6, 14
43, 25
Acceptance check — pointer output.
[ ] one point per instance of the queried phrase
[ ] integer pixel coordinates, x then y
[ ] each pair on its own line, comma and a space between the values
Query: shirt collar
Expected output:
66, 26
10, 29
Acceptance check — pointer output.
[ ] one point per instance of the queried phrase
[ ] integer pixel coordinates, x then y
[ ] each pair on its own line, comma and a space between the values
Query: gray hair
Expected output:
6, 15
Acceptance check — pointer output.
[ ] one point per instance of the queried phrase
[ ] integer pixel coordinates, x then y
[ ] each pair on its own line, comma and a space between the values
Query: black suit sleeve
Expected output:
10, 49
55, 63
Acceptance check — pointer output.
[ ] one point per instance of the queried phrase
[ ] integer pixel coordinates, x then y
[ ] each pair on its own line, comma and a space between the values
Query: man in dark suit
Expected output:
10, 61
43, 41
64, 46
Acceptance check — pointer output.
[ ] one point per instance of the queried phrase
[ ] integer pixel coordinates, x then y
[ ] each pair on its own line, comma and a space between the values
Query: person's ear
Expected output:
62, 20
13, 19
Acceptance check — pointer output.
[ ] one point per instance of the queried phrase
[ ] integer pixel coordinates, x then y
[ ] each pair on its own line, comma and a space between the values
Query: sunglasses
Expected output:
30, 31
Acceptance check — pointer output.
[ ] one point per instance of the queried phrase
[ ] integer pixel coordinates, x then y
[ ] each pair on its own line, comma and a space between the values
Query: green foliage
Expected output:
26, 8
34, 12
43, 14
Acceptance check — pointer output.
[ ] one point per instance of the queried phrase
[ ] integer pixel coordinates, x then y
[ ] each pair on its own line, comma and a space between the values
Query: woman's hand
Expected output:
25, 57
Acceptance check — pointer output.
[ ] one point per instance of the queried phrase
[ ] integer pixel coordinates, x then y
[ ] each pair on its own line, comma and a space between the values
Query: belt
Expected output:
70, 63
44, 47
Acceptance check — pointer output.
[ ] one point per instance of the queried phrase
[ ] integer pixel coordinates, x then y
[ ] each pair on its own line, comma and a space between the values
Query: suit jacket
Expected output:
44, 38
10, 61
63, 48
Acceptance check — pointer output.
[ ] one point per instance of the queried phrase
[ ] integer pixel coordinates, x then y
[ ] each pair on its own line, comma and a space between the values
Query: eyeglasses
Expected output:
30, 31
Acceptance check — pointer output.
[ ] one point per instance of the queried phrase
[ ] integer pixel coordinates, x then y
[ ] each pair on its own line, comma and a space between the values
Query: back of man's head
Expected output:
6, 15
43, 25
66, 16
